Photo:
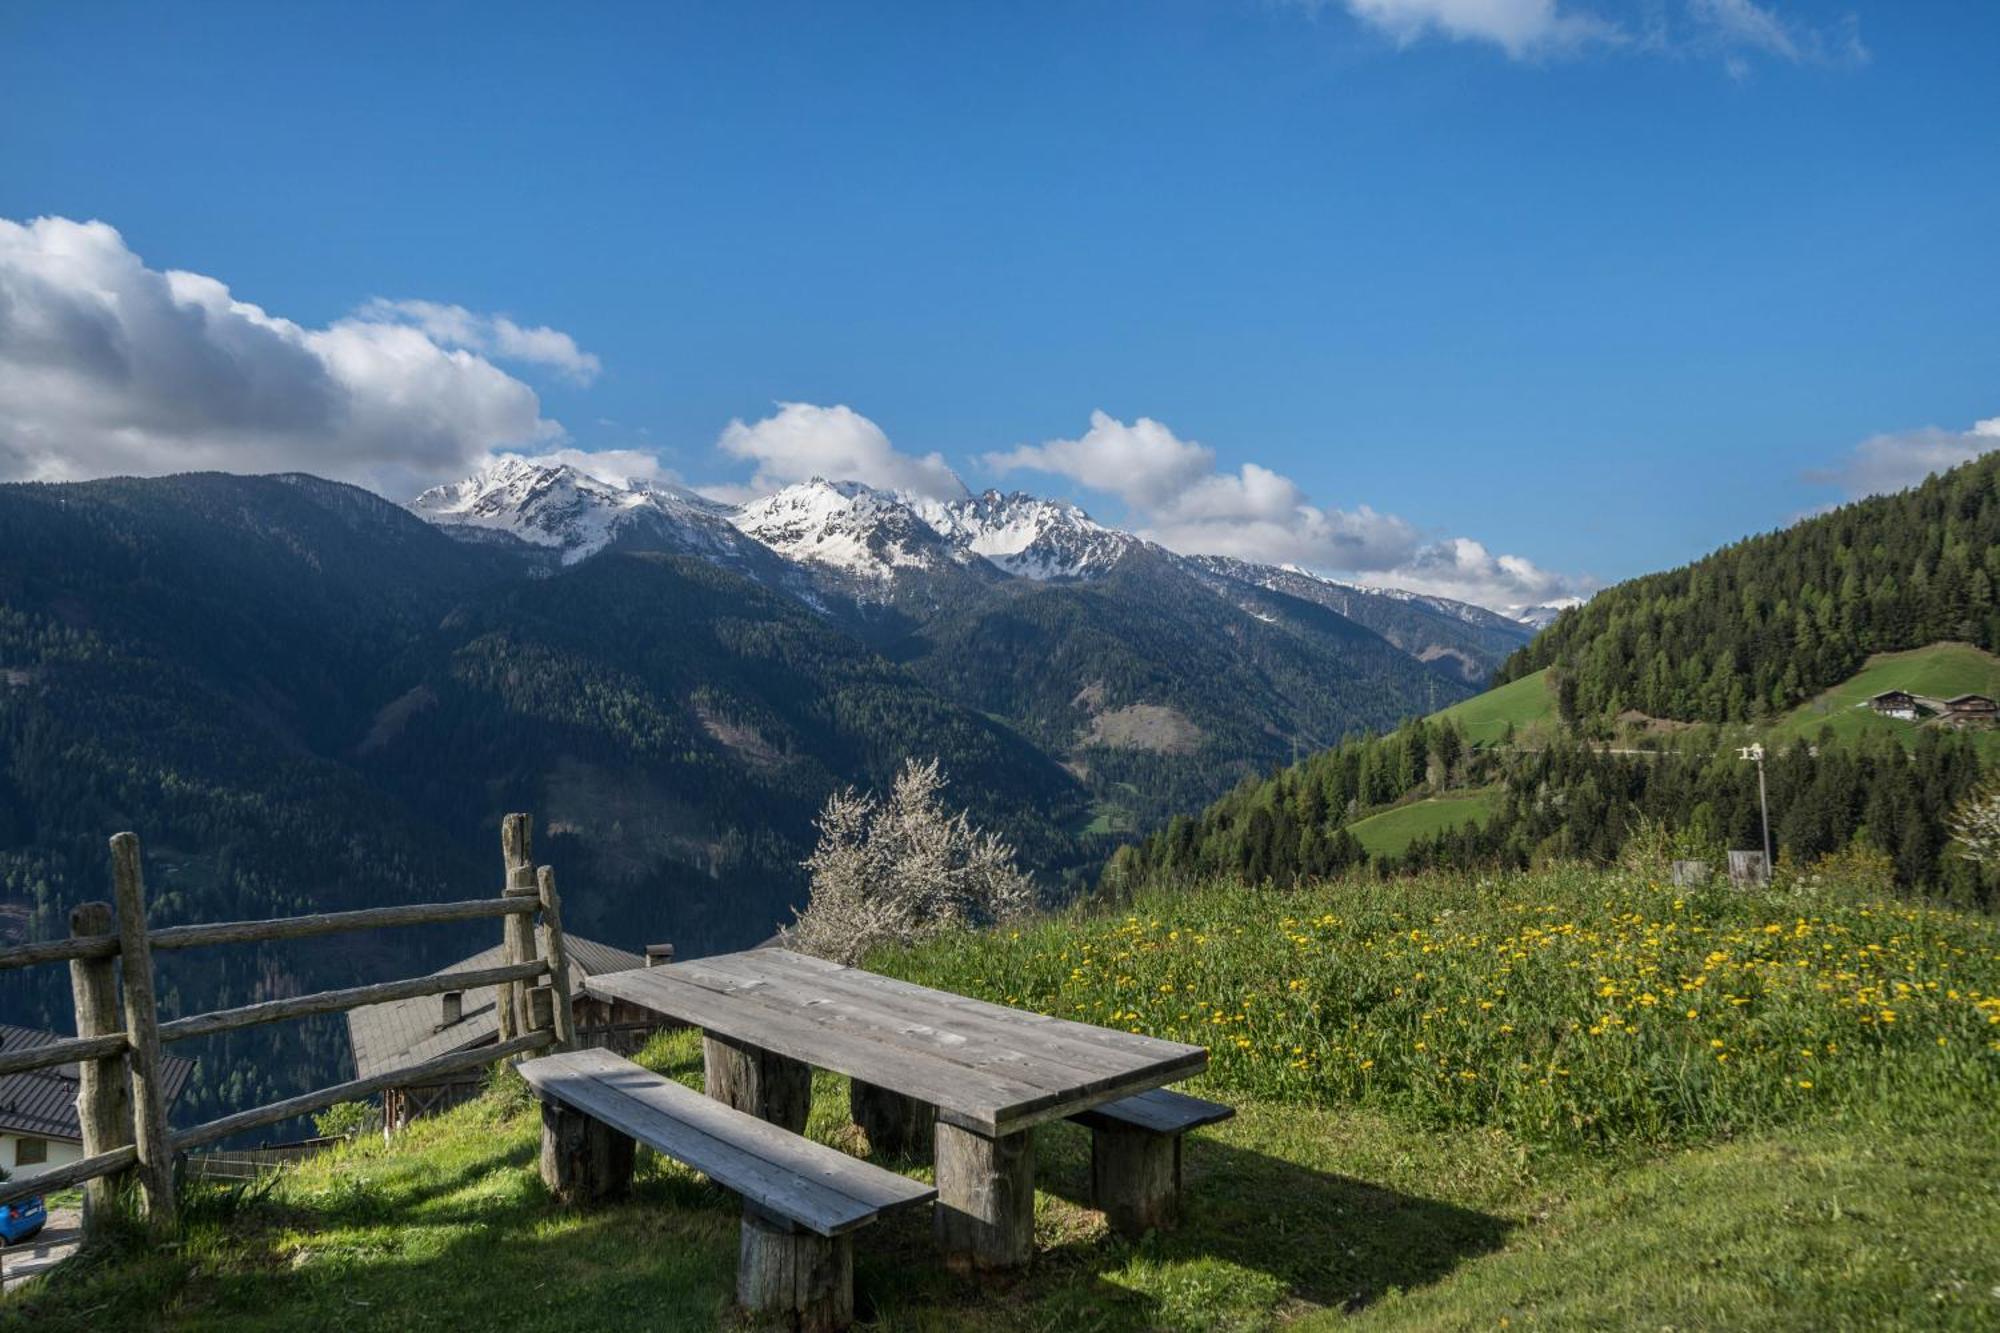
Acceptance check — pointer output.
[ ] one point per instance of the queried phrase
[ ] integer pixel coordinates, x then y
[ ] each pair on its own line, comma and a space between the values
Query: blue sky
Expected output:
1600, 285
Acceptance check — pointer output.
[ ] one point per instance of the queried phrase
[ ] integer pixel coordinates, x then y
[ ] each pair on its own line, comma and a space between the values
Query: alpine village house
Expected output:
406, 1032
38, 1125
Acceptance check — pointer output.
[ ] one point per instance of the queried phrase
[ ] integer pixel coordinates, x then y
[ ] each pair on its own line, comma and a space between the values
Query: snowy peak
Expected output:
1543, 616
556, 505
845, 526
1026, 535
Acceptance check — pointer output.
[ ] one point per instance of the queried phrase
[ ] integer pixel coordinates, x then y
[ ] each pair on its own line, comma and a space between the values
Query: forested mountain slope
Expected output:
1570, 757
1761, 626
306, 699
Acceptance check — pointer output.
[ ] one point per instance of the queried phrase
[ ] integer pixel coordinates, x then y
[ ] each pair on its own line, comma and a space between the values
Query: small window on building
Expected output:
31, 1152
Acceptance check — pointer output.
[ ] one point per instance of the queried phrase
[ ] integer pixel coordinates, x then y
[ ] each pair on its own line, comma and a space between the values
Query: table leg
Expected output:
1135, 1178
897, 1126
763, 1083
985, 1213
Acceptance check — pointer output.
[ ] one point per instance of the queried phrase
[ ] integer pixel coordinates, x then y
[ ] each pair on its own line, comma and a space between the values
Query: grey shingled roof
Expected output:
42, 1102
406, 1032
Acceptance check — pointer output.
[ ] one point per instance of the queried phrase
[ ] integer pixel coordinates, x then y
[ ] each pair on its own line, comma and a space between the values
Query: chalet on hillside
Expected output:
1970, 710
38, 1125
1899, 704
405, 1032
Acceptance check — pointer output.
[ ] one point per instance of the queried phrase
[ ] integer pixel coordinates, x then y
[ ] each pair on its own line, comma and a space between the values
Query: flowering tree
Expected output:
1975, 825
897, 870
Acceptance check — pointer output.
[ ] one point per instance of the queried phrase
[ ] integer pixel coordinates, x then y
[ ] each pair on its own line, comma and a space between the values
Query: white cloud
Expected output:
1732, 31
620, 467
1522, 28
490, 335
801, 441
1883, 464
1177, 497
108, 366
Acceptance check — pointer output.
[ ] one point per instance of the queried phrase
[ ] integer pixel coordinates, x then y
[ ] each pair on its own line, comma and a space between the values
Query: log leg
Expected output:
1135, 1178
583, 1160
897, 1126
786, 1273
762, 1083
985, 1213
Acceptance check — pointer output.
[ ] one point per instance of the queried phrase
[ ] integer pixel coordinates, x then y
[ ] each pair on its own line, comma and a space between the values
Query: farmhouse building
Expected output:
1969, 710
38, 1125
406, 1032
1899, 704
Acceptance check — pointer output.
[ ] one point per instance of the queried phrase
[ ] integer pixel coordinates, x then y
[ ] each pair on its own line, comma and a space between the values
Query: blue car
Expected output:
21, 1219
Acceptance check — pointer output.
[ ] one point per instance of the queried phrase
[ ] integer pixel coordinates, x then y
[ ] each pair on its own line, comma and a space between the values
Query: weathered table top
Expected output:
984, 1066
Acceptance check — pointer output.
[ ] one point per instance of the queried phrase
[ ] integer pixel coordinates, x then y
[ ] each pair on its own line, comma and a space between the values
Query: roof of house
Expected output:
1891, 694
406, 1032
42, 1102
1955, 701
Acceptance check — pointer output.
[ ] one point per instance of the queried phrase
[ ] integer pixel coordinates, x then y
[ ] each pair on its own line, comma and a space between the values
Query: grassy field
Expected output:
1939, 671
1522, 704
1391, 832
1566, 1100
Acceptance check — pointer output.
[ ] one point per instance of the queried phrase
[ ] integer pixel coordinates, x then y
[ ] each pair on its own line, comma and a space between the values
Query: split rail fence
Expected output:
121, 1097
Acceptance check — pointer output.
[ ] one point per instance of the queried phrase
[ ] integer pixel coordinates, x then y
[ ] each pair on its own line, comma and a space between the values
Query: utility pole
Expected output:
1755, 753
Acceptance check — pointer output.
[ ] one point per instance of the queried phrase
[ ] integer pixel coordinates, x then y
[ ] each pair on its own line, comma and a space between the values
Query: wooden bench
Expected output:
801, 1201
1135, 1155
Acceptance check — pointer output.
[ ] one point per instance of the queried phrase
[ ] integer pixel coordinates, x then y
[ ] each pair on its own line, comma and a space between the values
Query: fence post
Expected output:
142, 1033
103, 1101
557, 950
517, 850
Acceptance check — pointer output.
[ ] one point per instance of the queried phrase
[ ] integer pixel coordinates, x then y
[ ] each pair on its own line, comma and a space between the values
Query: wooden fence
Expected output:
121, 1101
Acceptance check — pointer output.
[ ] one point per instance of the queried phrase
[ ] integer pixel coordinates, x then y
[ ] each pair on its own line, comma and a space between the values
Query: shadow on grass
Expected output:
1259, 1233
478, 1243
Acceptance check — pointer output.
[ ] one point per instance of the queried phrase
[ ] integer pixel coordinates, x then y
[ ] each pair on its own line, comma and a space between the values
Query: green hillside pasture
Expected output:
1391, 832
1939, 671
1565, 1100
1484, 718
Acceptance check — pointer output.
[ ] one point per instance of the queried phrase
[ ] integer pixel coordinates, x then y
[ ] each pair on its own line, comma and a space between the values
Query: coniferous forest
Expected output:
1761, 626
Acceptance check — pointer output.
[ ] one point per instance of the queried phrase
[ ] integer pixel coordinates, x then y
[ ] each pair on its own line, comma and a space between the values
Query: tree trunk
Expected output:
769, 1086
985, 1213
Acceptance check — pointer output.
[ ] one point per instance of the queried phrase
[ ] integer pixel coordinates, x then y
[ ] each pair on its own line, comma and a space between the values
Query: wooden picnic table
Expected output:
989, 1074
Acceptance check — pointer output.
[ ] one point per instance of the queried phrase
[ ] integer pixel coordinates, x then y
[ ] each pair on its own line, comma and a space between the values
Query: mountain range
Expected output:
307, 698
1155, 678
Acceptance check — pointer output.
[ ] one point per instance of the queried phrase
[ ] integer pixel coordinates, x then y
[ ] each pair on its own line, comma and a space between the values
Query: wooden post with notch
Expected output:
103, 1097
556, 949
518, 932
142, 1032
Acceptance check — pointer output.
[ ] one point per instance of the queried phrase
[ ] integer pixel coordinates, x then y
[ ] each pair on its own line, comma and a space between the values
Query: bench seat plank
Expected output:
819, 1188
1159, 1111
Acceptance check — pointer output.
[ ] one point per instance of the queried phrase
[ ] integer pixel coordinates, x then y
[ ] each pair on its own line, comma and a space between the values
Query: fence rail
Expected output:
121, 1100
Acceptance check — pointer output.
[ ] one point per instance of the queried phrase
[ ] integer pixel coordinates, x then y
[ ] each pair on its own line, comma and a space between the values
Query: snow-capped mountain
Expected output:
1543, 616
1026, 535
850, 538
847, 527
554, 505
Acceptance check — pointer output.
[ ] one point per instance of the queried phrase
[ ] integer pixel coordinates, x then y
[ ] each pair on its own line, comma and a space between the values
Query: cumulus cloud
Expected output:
1177, 497
801, 441
1897, 461
108, 366
490, 335
1732, 31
